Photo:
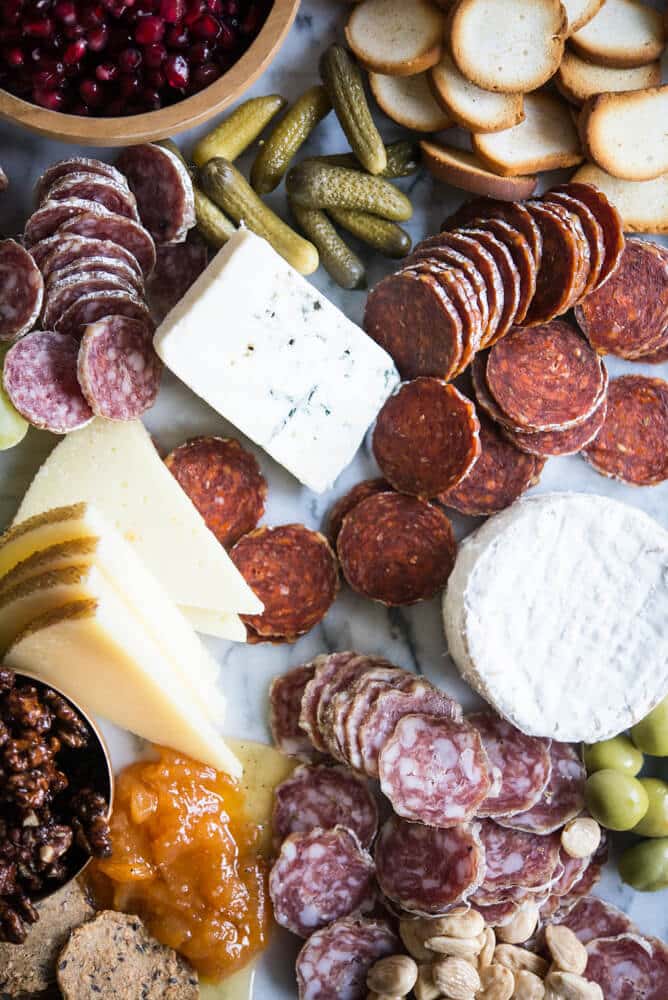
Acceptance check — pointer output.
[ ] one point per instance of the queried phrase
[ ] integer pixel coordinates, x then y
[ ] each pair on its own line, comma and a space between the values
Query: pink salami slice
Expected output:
21, 290
58, 251
592, 918
319, 877
334, 962
178, 267
434, 771
321, 796
497, 914
523, 763
326, 667
426, 870
629, 967
163, 188
93, 187
572, 871
40, 378
51, 215
91, 265
118, 370
64, 292
76, 165
89, 308
562, 799
329, 726
517, 859
359, 699
285, 703
103, 225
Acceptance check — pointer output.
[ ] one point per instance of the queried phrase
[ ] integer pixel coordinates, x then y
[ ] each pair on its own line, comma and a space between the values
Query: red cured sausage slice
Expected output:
501, 474
462, 294
224, 482
118, 370
335, 962
523, 762
91, 307
177, 268
563, 798
545, 378
51, 215
294, 573
512, 212
629, 967
355, 704
547, 444
526, 262
560, 272
285, 702
591, 228
396, 549
514, 858
427, 437
608, 218
483, 396
319, 877
434, 771
632, 444
343, 506
103, 225
592, 918
40, 378
330, 722
64, 292
93, 187
325, 668
164, 191
426, 870
76, 165
324, 797
510, 276
58, 251
91, 265
21, 290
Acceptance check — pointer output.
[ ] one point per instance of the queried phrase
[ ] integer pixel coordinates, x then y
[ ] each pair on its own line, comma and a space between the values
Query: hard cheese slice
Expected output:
276, 358
93, 651
116, 468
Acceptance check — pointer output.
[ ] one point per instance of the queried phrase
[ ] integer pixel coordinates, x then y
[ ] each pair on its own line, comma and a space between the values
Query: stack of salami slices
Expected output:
495, 265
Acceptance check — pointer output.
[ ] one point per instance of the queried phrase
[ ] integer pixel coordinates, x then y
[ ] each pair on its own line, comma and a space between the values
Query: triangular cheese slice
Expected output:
115, 467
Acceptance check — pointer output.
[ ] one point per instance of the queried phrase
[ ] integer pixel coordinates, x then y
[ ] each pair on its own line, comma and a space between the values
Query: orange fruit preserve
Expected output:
186, 860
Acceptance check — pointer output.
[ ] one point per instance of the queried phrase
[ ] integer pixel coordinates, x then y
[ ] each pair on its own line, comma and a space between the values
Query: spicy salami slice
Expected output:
325, 667
103, 225
335, 961
318, 877
462, 295
118, 370
331, 717
294, 573
51, 215
591, 228
446, 255
61, 294
546, 377
427, 437
501, 474
343, 506
320, 796
434, 771
483, 396
177, 268
560, 266
592, 918
224, 481
163, 188
512, 212
548, 444
426, 870
93, 306
521, 249
608, 218
514, 858
562, 799
57, 252
76, 165
355, 704
94, 187
628, 967
40, 378
285, 702
523, 762
510, 275
632, 444
21, 290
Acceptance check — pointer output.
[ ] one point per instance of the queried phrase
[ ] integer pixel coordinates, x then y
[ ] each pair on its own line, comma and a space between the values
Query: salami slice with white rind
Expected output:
592, 918
517, 859
319, 877
118, 370
321, 796
60, 251
92, 265
426, 870
523, 762
434, 771
334, 700
163, 188
93, 187
497, 914
40, 378
50, 216
285, 703
628, 967
21, 290
334, 962
562, 799
360, 698
76, 165
63, 293
572, 871
90, 308
103, 225
326, 667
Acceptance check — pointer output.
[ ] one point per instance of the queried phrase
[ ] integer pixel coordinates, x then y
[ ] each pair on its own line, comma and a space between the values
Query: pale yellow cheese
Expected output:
94, 652
223, 625
115, 467
238, 986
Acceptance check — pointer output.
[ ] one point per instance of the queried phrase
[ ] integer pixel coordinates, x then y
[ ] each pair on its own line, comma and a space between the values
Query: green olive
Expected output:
617, 754
617, 801
655, 821
645, 866
651, 735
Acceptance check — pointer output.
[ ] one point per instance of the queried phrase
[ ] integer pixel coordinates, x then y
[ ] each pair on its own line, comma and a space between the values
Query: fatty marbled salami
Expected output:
21, 291
514, 858
64, 292
177, 268
333, 701
325, 666
629, 967
94, 187
361, 698
118, 370
523, 763
285, 702
334, 962
562, 799
40, 378
321, 796
103, 225
592, 918
76, 165
91, 307
91, 265
51, 215
58, 251
164, 191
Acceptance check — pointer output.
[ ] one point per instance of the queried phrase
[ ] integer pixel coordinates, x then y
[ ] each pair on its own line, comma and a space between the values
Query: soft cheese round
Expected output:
557, 614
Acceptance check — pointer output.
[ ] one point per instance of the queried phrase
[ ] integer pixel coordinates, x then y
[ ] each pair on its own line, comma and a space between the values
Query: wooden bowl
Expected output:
168, 121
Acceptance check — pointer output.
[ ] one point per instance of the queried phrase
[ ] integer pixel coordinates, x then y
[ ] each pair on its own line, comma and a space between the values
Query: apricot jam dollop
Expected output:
185, 859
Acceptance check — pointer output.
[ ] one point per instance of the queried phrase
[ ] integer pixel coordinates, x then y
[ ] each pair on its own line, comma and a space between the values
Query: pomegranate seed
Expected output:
116, 107
172, 10
215, 6
38, 27
227, 39
129, 60
129, 85
93, 16
106, 72
177, 71
251, 21
74, 52
199, 53
91, 93
79, 108
151, 99
66, 11
47, 79
97, 39
155, 78
73, 31
14, 58
149, 30
206, 27
195, 10
178, 38
205, 75
51, 99
154, 55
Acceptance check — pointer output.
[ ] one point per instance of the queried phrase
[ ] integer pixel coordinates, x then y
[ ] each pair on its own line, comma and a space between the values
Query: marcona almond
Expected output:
459, 923
425, 988
456, 978
395, 975
413, 939
486, 955
467, 948
567, 986
568, 953
521, 927
498, 983
515, 958
528, 986
581, 837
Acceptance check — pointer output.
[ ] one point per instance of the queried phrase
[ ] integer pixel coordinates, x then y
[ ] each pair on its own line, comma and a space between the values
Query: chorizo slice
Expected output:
510, 276
461, 292
560, 270
447, 255
512, 212
608, 218
345, 504
548, 444
593, 233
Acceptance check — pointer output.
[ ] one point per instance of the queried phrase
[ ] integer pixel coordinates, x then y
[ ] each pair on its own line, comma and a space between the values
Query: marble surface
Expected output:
410, 637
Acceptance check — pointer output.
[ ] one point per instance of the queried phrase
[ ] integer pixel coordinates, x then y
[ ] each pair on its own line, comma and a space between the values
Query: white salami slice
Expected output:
60, 251
330, 729
517, 859
326, 667
285, 703
523, 763
629, 967
93, 187
92, 265
319, 877
426, 870
334, 962
434, 770
63, 293
90, 308
592, 917
103, 225
40, 378
21, 290
50, 216
118, 370
324, 797
72, 165
164, 191
359, 700
563, 798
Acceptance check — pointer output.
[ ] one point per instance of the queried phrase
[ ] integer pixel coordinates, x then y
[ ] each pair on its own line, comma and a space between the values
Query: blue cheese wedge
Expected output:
274, 357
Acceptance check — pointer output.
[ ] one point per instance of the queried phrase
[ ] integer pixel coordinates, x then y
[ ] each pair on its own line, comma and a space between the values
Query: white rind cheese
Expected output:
271, 354
557, 614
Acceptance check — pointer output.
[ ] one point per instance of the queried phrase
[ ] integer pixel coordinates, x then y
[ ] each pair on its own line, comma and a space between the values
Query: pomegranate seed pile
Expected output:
120, 57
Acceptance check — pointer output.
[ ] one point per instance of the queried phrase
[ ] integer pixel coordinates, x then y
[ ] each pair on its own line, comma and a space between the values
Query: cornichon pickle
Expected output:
343, 83
212, 224
386, 237
234, 135
231, 191
337, 258
319, 185
292, 131
403, 159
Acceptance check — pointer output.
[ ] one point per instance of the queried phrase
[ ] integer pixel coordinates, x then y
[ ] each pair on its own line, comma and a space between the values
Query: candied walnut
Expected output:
90, 823
25, 708
68, 725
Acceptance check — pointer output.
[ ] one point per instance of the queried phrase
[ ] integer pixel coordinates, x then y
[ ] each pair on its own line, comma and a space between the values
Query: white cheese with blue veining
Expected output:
273, 356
